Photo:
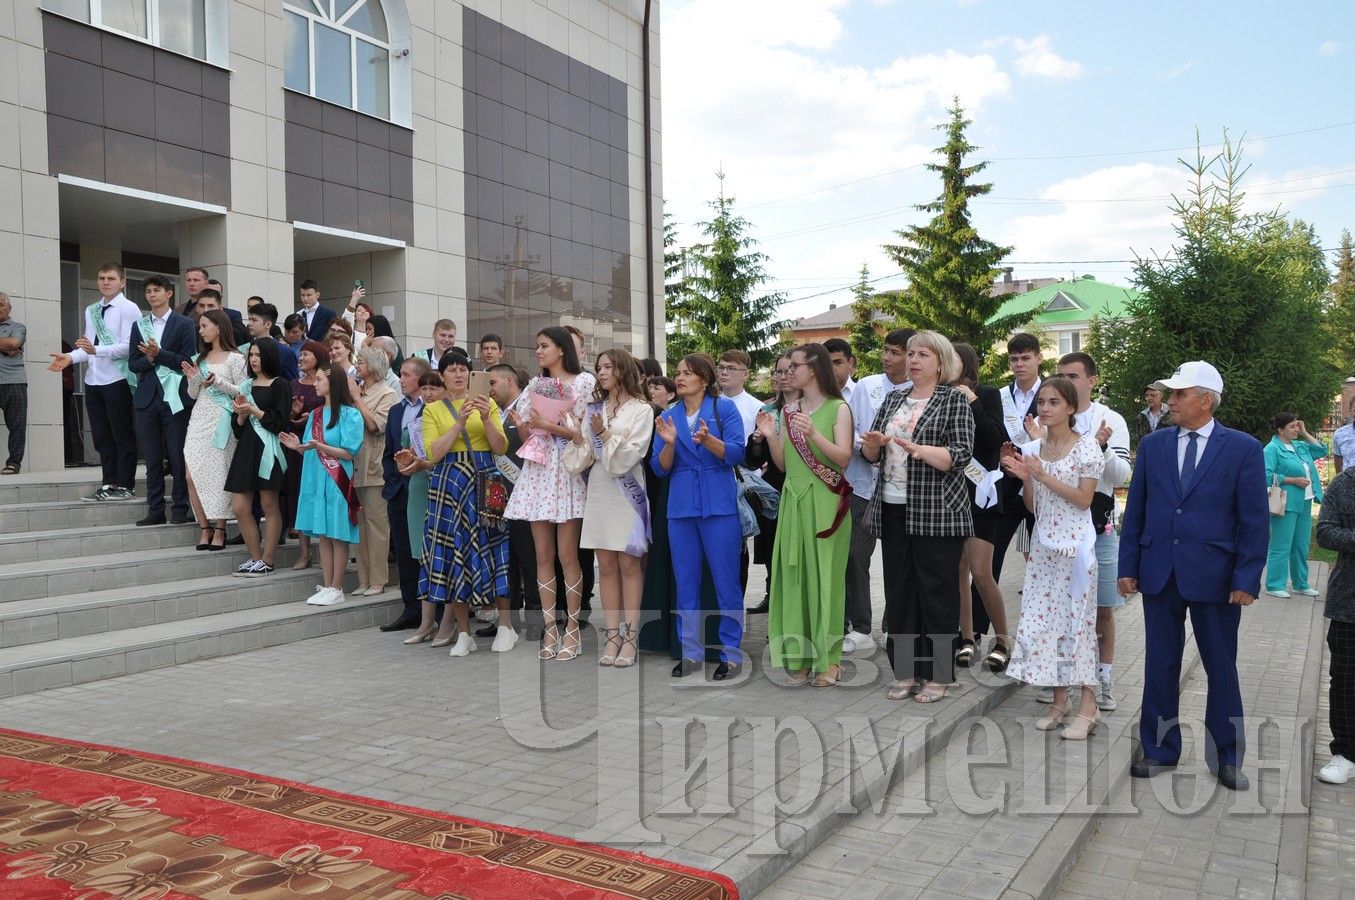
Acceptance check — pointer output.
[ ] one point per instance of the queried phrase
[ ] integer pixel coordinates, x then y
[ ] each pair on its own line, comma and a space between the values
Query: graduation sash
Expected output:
105, 336
831, 477
334, 467
169, 380
272, 447
637, 542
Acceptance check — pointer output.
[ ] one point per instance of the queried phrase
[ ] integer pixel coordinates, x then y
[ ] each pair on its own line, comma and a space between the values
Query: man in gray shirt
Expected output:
13, 385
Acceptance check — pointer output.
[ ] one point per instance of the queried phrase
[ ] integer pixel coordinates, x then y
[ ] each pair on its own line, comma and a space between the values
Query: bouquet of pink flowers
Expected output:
550, 398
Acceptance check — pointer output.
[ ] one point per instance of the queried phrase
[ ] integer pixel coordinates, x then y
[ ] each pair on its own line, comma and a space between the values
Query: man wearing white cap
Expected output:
1194, 539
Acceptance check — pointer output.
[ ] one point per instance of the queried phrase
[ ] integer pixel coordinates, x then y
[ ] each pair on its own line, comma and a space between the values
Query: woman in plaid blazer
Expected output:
922, 440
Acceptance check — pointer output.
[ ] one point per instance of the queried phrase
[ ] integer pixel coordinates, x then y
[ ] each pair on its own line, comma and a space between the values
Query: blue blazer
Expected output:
178, 344
320, 323
701, 483
396, 487
1299, 464
1212, 533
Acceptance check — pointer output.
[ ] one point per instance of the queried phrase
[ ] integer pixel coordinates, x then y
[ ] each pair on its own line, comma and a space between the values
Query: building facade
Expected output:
495, 162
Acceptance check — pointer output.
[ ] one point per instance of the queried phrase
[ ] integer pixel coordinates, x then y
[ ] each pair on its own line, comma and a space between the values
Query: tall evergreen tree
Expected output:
1341, 309
950, 268
678, 342
719, 308
1244, 291
864, 329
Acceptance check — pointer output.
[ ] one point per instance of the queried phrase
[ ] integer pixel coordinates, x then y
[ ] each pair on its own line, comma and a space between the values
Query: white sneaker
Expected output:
315, 598
465, 646
1307, 592
1338, 771
860, 643
504, 640
1283, 595
330, 597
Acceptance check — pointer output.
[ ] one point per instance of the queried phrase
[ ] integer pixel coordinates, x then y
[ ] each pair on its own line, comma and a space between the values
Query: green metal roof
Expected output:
1082, 299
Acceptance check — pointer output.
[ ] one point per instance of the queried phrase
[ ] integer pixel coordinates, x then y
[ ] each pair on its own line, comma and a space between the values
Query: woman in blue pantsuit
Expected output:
697, 443
1291, 460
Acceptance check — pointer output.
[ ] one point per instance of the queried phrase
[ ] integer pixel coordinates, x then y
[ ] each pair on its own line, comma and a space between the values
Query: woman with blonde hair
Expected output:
341, 354
612, 448
374, 401
922, 439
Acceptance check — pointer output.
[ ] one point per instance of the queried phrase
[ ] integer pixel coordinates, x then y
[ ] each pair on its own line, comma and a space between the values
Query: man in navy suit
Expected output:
396, 491
1194, 540
161, 343
317, 317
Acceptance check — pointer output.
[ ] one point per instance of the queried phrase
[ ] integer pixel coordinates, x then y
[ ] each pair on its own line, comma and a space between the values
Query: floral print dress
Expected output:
1056, 639
549, 492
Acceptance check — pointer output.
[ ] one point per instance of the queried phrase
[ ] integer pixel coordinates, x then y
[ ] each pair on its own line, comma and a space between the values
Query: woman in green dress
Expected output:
811, 440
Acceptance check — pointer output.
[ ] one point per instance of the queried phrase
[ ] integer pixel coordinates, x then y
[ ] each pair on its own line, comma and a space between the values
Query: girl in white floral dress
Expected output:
547, 494
1056, 639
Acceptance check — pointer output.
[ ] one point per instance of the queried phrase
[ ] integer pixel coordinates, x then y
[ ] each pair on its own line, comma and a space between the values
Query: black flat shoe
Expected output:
399, 625
487, 630
236, 541
180, 518
1233, 778
686, 667
1147, 768
151, 519
760, 609
726, 670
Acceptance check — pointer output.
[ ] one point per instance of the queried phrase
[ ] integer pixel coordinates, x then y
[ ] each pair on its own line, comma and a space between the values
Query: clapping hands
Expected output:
666, 429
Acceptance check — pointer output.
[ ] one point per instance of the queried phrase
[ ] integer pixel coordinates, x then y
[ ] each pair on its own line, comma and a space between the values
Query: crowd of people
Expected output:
498, 494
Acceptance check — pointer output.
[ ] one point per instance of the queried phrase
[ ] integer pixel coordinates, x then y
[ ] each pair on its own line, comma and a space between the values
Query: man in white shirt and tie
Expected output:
108, 396
317, 316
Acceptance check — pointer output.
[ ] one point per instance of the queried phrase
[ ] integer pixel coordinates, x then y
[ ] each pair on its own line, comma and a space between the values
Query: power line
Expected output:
1104, 155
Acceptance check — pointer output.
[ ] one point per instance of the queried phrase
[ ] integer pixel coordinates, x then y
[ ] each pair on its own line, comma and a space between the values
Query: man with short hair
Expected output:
263, 318
844, 365
317, 316
732, 373
108, 395
404, 415
491, 351
1343, 445
506, 384
1111, 433
1194, 540
294, 331
196, 280
865, 401
1153, 416
444, 339
161, 342
13, 385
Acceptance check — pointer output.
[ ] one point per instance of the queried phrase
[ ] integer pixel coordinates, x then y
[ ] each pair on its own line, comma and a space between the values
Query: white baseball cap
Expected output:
1196, 373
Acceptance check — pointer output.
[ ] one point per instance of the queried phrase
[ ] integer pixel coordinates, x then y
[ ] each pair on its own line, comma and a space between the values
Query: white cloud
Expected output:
1329, 48
1176, 72
1036, 58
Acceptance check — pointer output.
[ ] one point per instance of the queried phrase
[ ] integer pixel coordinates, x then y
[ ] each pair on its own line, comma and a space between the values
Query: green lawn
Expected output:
1321, 554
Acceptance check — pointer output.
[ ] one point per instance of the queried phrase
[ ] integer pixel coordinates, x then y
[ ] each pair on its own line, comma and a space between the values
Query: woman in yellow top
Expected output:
465, 557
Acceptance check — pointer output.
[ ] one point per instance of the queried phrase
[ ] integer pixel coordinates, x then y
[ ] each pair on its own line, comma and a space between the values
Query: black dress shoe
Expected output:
1233, 778
179, 518
726, 670
489, 630
399, 625
1147, 768
686, 667
760, 609
151, 519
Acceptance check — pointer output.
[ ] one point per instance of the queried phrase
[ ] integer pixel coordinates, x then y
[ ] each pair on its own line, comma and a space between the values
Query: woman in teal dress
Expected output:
1291, 461
811, 439
328, 506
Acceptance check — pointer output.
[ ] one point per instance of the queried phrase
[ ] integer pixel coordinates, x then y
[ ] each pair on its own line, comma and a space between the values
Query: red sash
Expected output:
334, 468
832, 478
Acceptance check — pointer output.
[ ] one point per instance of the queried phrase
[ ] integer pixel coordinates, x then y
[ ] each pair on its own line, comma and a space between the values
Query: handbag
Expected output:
491, 496
1275, 497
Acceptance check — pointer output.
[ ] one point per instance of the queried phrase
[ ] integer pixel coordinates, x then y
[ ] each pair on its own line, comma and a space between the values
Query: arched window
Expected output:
340, 51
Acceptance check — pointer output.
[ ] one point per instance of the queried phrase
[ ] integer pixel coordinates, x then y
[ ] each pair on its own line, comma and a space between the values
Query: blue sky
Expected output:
795, 99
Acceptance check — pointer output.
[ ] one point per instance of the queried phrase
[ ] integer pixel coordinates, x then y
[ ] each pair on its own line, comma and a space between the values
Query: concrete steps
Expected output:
85, 594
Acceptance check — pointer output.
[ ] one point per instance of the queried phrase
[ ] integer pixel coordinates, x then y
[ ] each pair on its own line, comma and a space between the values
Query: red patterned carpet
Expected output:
83, 821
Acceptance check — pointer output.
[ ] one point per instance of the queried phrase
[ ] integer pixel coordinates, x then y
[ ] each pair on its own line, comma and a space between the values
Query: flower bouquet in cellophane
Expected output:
550, 398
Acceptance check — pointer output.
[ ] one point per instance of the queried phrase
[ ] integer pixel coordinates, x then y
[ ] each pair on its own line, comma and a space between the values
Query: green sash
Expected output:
272, 447
169, 380
222, 436
106, 337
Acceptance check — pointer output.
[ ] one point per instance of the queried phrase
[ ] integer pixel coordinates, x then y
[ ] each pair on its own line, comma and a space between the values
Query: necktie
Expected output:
103, 308
1188, 466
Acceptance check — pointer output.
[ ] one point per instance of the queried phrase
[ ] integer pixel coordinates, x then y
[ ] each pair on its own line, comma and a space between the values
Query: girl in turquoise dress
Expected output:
325, 510
813, 532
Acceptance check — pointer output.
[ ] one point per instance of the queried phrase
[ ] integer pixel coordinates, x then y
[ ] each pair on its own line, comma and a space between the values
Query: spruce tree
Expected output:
950, 268
864, 328
1243, 291
1341, 310
719, 308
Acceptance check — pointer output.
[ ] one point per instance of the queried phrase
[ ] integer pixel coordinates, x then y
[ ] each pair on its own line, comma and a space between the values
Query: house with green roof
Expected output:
1066, 310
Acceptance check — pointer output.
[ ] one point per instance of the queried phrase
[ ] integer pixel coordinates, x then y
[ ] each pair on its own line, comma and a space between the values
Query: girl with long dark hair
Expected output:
213, 379
263, 410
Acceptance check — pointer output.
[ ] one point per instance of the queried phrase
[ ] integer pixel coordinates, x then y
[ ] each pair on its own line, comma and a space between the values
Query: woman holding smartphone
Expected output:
210, 443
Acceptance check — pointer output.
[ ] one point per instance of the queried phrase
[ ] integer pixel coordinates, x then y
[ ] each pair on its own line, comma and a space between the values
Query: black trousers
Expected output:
922, 615
70, 427
406, 565
522, 590
113, 429
14, 407
1013, 514
162, 434
857, 608
1341, 643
